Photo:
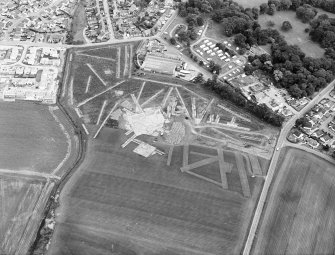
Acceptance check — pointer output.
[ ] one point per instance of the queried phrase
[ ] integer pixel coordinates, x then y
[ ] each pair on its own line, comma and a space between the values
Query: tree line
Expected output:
291, 69
234, 95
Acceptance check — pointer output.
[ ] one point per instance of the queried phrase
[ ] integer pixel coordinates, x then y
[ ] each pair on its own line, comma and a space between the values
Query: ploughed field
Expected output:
300, 214
121, 203
22, 202
30, 138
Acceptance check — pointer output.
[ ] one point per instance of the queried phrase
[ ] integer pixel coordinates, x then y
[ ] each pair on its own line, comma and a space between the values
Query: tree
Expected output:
240, 40
183, 36
173, 41
221, 46
200, 21
270, 23
305, 13
276, 3
301, 122
255, 12
272, 9
183, 13
263, 8
285, 4
199, 78
192, 35
286, 26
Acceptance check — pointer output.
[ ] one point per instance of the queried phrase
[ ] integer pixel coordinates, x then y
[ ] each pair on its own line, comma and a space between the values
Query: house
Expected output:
326, 138
331, 126
319, 112
312, 143
332, 145
318, 133
298, 134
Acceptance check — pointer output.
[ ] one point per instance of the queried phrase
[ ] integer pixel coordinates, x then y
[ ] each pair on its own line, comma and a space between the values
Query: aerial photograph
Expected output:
167, 127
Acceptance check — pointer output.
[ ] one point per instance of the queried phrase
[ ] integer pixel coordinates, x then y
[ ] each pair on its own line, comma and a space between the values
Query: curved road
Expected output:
268, 179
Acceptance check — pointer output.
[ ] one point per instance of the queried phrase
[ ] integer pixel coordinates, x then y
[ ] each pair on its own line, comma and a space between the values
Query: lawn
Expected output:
22, 203
215, 32
295, 36
122, 202
79, 22
250, 4
30, 138
300, 214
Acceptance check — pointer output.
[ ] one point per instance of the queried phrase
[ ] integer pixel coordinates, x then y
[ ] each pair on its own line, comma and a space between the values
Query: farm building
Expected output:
160, 64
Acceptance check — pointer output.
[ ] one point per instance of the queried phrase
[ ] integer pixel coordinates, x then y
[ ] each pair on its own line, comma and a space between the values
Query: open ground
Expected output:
300, 213
250, 4
96, 86
22, 202
30, 138
190, 200
143, 206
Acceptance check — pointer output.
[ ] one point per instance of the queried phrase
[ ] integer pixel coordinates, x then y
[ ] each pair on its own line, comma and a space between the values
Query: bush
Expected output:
200, 21
270, 23
286, 26
173, 41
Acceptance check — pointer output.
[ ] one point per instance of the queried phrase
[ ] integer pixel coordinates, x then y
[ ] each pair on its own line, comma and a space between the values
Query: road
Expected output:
282, 142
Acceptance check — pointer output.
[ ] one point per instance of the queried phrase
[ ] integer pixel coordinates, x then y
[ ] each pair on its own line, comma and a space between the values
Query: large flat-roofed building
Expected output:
160, 64
29, 83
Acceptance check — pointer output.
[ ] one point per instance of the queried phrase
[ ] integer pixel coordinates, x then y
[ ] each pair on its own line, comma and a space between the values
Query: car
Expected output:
277, 149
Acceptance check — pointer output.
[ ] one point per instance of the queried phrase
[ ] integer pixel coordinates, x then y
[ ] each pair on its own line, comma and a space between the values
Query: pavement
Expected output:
281, 143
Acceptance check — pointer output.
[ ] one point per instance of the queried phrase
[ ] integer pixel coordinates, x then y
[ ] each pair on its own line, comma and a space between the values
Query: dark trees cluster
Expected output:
291, 69
326, 5
323, 31
304, 8
306, 13
225, 91
275, 5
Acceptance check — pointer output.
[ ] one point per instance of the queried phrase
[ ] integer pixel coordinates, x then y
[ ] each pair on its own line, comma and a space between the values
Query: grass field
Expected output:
79, 22
123, 203
250, 4
295, 36
22, 203
300, 214
30, 138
